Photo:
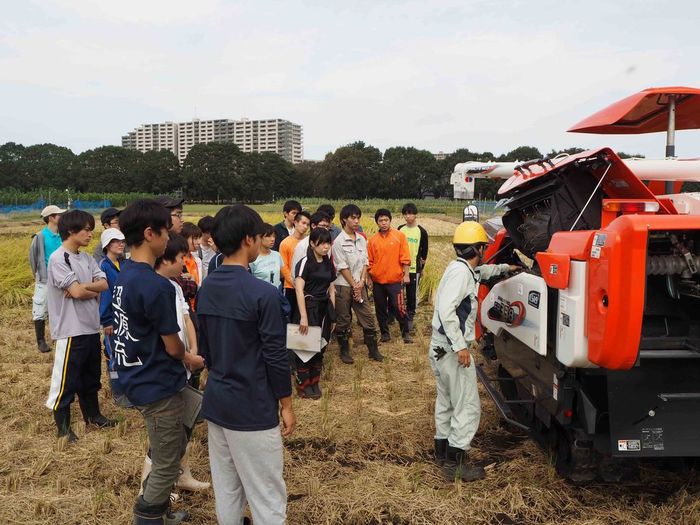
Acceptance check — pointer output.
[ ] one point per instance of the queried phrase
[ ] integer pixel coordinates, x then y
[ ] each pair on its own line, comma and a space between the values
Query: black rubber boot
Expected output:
146, 514
90, 407
62, 419
39, 330
374, 350
456, 466
344, 343
440, 451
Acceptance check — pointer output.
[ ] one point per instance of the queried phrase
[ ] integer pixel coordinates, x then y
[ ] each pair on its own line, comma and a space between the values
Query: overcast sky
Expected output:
487, 75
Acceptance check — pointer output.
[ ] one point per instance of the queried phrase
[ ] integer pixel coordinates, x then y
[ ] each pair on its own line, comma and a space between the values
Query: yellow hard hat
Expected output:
470, 232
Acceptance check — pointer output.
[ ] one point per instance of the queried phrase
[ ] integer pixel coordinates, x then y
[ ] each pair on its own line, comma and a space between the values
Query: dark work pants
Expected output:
76, 370
412, 295
389, 297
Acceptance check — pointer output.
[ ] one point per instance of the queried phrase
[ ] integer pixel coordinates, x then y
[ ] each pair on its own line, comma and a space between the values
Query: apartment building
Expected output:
274, 135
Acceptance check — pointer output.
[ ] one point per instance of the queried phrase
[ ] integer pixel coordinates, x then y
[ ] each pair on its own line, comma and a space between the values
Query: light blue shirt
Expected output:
52, 241
267, 268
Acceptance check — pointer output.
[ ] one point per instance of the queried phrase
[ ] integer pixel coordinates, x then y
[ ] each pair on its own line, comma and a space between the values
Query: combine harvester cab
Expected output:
597, 347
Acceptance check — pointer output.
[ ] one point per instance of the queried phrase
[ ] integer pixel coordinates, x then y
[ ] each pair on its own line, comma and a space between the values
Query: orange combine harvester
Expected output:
596, 348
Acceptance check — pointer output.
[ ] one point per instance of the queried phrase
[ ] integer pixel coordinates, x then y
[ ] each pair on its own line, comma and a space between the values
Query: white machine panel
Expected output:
572, 344
519, 306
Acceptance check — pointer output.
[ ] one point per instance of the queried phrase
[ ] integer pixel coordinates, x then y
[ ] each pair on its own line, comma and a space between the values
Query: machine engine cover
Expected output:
518, 305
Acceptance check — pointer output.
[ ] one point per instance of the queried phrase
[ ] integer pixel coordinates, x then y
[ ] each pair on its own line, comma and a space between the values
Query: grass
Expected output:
360, 455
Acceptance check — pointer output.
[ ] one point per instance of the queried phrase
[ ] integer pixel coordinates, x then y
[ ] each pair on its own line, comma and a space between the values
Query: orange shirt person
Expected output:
301, 225
389, 263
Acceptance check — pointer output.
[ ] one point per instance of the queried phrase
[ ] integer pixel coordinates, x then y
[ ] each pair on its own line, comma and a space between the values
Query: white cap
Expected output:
109, 235
51, 210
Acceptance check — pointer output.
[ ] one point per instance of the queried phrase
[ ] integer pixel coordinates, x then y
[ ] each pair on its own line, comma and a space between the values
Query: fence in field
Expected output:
37, 206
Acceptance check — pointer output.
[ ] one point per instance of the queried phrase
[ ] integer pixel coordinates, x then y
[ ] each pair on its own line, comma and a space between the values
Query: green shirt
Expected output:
413, 235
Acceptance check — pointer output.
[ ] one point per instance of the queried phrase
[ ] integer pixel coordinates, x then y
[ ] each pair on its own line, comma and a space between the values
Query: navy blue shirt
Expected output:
144, 309
243, 340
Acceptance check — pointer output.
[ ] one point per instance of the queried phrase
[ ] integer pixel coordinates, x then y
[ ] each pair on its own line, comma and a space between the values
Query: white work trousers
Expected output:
40, 305
247, 467
457, 405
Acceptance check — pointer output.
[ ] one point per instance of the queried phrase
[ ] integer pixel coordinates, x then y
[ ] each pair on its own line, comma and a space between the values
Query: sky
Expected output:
485, 75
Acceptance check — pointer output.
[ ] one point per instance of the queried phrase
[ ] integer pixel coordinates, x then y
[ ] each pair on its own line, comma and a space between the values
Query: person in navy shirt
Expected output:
149, 355
242, 339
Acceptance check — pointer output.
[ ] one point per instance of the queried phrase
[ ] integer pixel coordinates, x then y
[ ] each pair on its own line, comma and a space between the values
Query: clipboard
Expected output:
193, 404
305, 346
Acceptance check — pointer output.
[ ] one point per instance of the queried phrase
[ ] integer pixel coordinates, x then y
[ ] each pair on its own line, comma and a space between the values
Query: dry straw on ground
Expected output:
360, 455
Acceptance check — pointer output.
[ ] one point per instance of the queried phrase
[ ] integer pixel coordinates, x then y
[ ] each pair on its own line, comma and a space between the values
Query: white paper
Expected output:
305, 346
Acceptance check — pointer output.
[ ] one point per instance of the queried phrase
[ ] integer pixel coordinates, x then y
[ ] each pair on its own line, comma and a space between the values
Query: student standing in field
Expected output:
206, 252
301, 225
316, 307
149, 355
175, 208
169, 265
329, 210
350, 259
109, 218
44, 243
389, 261
191, 278
112, 242
74, 286
242, 337
417, 238
317, 220
268, 265
285, 228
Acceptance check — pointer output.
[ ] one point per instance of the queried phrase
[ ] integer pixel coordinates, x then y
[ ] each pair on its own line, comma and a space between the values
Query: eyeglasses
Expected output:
178, 215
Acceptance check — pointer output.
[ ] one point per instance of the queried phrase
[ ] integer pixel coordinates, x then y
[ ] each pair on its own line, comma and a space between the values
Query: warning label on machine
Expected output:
653, 438
628, 445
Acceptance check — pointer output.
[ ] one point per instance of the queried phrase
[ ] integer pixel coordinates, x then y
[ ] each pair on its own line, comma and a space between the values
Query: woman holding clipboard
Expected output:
316, 301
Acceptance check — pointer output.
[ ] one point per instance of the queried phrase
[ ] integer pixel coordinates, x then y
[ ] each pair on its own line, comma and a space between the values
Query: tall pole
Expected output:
671, 136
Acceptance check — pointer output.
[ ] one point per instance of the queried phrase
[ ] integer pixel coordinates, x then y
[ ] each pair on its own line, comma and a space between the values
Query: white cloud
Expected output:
483, 75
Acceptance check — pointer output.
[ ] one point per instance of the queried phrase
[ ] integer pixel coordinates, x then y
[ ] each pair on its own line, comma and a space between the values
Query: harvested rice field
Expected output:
360, 455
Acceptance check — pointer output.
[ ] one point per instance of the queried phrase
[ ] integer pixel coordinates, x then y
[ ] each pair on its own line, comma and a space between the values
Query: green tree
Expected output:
266, 176
521, 153
352, 172
44, 166
214, 172
10, 155
108, 169
158, 172
308, 179
408, 172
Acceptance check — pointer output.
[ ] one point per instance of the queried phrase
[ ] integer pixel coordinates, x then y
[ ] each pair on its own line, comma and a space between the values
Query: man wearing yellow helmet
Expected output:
457, 406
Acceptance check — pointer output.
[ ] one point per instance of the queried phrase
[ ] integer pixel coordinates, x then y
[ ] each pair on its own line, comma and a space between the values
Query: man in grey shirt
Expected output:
74, 285
350, 260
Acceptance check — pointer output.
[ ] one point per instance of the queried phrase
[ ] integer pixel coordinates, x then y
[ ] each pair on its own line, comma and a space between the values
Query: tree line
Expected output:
221, 172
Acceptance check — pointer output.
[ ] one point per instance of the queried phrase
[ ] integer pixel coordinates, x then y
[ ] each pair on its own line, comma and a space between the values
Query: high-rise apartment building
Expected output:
274, 135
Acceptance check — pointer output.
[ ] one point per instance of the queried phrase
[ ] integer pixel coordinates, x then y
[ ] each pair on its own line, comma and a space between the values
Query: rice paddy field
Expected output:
360, 455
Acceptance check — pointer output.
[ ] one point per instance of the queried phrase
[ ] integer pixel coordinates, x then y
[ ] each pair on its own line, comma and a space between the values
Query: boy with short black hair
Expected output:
417, 238
149, 355
389, 261
286, 228
286, 249
206, 252
174, 206
109, 218
242, 337
268, 265
74, 285
43, 244
329, 210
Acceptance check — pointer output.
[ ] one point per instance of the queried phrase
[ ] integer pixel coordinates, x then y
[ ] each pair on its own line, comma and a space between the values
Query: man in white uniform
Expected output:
457, 405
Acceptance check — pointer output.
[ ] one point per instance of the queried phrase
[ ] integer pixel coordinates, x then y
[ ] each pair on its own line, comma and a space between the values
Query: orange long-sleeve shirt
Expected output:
388, 253
287, 254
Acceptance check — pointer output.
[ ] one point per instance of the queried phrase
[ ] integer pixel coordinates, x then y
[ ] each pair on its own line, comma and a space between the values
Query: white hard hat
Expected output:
109, 235
51, 210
